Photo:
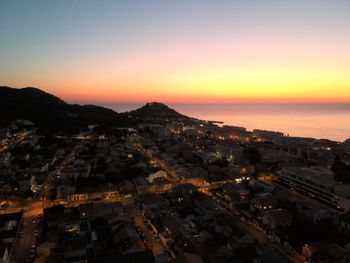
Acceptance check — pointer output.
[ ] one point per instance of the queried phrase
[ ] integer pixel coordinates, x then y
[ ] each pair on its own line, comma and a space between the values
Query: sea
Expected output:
316, 120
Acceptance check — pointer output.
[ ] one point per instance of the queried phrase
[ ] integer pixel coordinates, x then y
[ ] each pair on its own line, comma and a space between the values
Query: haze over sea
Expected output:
327, 121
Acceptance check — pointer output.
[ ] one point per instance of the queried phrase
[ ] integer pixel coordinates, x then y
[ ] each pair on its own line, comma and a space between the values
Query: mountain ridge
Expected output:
155, 110
31, 93
51, 114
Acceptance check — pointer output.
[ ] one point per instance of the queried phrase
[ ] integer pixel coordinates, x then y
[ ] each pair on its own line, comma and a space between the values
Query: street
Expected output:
22, 248
151, 242
260, 235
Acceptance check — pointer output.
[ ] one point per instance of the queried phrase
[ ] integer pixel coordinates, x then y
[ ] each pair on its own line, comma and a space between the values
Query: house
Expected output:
4, 134
160, 185
268, 135
65, 191
153, 201
196, 176
145, 256
24, 185
5, 158
285, 195
34, 186
309, 209
263, 186
263, 203
273, 156
99, 209
186, 258
268, 254
316, 181
78, 169
233, 200
158, 174
275, 218
105, 191
126, 187
4, 253
9, 228
325, 251
182, 192
229, 151
126, 239
141, 184
343, 222
342, 191
229, 188
75, 249
224, 224
158, 130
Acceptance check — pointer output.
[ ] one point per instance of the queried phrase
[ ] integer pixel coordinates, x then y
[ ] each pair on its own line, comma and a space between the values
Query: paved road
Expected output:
260, 236
156, 246
50, 183
24, 244
22, 250
156, 160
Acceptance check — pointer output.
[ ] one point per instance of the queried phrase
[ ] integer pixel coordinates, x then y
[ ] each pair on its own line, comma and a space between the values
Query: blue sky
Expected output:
74, 48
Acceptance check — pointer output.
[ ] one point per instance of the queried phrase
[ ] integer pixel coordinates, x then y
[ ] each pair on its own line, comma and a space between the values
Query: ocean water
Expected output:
329, 121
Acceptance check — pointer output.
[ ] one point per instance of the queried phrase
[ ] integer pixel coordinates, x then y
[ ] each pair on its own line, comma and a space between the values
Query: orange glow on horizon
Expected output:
199, 99
236, 51
184, 73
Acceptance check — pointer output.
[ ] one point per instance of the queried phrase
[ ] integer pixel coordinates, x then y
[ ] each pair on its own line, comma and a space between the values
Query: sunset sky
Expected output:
178, 51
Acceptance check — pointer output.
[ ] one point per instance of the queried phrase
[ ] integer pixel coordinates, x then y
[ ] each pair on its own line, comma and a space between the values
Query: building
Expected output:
263, 203
65, 191
275, 218
4, 253
342, 192
318, 183
263, 186
186, 258
273, 156
158, 174
268, 135
9, 230
99, 209
152, 201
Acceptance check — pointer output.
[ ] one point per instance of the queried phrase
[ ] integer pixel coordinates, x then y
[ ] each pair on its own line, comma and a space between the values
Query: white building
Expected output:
318, 183
272, 155
342, 192
158, 174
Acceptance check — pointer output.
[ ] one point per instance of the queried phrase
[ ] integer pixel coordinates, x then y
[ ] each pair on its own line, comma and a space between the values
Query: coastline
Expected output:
319, 121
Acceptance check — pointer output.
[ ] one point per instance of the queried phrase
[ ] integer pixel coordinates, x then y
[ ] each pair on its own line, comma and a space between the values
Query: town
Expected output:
179, 191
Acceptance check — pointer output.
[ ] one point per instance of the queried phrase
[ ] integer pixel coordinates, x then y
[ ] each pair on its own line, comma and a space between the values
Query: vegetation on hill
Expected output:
51, 114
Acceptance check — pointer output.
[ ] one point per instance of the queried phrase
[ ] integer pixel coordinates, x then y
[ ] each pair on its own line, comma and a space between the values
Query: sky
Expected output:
178, 51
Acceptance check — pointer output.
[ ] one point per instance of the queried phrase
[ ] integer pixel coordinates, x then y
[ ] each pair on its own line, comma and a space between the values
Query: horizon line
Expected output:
123, 102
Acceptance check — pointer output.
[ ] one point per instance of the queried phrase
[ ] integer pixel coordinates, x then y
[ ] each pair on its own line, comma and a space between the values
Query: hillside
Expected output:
51, 114
155, 111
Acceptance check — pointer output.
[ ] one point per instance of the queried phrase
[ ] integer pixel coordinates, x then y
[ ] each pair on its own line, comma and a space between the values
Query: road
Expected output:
32, 209
24, 244
156, 246
156, 160
259, 235
50, 183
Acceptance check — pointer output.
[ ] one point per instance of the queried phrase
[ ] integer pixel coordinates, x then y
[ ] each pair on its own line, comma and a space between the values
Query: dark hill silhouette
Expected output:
155, 111
51, 114
31, 94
